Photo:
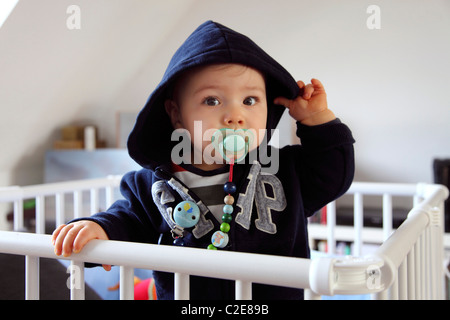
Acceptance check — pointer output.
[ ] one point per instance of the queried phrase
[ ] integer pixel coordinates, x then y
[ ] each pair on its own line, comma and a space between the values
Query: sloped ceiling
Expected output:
52, 76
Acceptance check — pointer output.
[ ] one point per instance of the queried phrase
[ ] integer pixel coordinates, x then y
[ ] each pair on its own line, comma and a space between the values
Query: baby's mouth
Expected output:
233, 145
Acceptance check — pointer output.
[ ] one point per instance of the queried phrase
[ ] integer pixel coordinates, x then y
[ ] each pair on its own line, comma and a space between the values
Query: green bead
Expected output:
211, 247
225, 227
227, 218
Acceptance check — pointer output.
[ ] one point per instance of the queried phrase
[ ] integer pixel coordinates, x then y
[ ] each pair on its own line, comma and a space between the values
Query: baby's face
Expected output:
227, 96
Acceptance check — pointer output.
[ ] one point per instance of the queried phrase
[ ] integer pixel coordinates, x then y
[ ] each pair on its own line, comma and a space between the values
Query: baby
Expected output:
227, 96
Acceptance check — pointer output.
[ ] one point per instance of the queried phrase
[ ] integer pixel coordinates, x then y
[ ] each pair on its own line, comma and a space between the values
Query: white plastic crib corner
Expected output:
319, 283
349, 275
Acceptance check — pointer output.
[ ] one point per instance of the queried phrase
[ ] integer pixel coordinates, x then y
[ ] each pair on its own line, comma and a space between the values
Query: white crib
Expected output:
408, 263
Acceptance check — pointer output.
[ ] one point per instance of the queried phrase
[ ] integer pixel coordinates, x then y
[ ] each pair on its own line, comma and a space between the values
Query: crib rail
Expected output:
408, 265
58, 190
223, 264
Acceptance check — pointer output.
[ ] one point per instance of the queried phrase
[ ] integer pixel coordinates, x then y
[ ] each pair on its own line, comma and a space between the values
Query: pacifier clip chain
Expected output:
220, 238
186, 214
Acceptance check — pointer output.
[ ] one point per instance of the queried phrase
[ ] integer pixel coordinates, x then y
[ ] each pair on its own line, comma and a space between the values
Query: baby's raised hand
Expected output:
310, 107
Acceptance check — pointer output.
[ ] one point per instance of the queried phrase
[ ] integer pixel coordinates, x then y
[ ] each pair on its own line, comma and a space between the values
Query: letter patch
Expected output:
265, 203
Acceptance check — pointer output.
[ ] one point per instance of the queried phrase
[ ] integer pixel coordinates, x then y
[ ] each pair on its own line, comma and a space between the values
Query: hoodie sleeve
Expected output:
325, 163
130, 219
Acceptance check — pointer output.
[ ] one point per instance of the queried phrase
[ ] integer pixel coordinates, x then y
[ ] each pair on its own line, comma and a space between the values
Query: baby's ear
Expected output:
173, 111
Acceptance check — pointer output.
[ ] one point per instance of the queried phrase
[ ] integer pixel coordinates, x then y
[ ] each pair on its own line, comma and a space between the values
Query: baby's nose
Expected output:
234, 116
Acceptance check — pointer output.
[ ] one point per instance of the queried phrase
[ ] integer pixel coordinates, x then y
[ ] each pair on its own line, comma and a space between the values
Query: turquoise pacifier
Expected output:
232, 144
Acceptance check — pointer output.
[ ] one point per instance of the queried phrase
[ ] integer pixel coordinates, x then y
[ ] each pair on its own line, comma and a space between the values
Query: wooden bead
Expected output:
228, 199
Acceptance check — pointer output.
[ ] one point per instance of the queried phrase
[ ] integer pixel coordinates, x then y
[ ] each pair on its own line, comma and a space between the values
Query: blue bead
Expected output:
229, 187
227, 208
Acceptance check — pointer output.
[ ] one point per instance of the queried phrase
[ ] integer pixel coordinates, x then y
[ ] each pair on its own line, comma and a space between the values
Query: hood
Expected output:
149, 143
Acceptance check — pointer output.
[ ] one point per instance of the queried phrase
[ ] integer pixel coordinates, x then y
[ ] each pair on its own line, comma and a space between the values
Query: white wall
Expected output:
389, 85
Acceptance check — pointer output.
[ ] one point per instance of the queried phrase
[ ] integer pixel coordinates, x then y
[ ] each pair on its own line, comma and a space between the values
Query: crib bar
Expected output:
49, 189
126, 283
376, 188
387, 215
60, 209
411, 275
434, 271
243, 290
358, 223
437, 245
18, 215
393, 291
77, 204
181, 291
422, 267
331, 226
40, 214
31, 278
109, 196
428, 259
418, 272
403, 281
94, 199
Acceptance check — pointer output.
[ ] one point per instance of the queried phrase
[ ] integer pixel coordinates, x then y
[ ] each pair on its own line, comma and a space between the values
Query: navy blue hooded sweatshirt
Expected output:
308, 177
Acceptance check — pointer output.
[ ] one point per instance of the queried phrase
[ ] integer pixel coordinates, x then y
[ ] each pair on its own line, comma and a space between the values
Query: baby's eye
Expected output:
250, 101
211, 101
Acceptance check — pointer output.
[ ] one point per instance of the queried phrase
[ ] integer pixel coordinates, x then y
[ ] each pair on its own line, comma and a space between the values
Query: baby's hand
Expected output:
74, 236
310, 108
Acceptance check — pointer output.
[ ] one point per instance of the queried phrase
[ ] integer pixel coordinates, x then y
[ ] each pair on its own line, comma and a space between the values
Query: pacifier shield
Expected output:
232, 144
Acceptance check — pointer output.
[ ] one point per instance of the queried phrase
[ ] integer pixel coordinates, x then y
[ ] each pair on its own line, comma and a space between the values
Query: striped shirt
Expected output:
207, 185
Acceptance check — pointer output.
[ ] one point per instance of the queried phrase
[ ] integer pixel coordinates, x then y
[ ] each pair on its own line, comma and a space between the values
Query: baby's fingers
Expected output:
317, 84
308, 92
56, 233
71, 235
84, 236
59, 235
